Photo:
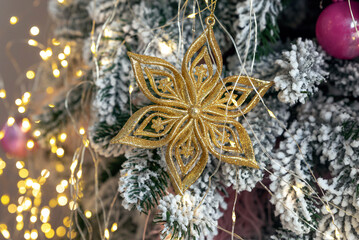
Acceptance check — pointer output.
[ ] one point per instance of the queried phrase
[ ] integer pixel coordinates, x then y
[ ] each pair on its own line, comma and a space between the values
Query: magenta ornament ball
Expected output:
14, 141
336, 31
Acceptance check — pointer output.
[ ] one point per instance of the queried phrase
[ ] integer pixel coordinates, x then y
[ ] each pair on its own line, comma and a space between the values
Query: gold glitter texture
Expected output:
194, 111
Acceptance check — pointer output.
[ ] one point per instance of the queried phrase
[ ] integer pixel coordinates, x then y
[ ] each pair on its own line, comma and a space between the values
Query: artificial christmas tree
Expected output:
294, 156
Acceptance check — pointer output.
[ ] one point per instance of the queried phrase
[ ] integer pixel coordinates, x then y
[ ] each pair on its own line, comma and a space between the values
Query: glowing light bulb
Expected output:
114, 227
21, 109
2, 93
27, 95
45, 173
18, 102
233, 216
30, 144
10, 121
34, 234
19, 218
60, 152
72, 205
30, 74
19, 226
166, 48
45, 211
64, 63
73, 165
33, 219
271, 114
33, 42
48, 52
61, 56
64, 183
45, 227
50, 234
5, 199
43, 55
34, 31
82, 131
61, 231
5, 233
55, 42
130, 89
60, 188
88, 214
29, 182
20, 164
79, 73
52, 141
107, 234
11, 208
13, 20
67, 50
23, 173
27, 235
56, 73
79, 174
62, 200
107, 33
25, 125
93, 48
36, 186
192, 15
62, 137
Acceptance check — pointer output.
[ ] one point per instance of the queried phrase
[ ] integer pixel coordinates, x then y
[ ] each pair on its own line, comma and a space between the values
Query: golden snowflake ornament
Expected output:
194, 110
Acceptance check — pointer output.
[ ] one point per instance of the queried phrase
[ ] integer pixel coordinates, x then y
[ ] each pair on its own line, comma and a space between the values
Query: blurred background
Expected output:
19, 21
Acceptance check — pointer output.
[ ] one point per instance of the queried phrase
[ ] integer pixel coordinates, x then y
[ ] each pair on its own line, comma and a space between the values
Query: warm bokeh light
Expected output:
88, 214
67, 50
30, 74
60, 152
30, 144
13, 20
33, 42
21, 109
34, 31
64, 63
82, 131
56, 73
10, 121
25, 125
114, 227
2, 93
5, 199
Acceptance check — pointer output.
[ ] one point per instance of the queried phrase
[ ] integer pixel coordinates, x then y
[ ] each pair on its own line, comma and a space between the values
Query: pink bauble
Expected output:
14, 141
336, 31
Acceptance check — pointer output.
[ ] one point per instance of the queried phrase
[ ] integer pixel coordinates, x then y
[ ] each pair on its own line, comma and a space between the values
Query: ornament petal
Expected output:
229, 95
190, 167
202, 74
151, 127
228, 140
165, 82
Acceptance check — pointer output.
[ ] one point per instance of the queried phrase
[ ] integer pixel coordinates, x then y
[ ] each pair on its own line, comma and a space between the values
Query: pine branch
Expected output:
350, 130
54, 119
143, 181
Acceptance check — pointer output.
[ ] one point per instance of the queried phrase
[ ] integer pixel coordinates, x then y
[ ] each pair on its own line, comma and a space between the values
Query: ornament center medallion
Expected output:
194, 111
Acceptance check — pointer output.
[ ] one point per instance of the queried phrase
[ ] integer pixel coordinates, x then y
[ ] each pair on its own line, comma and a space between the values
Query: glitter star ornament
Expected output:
194, 111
